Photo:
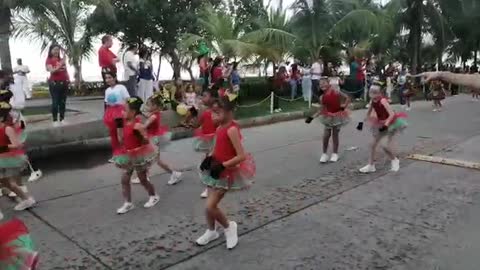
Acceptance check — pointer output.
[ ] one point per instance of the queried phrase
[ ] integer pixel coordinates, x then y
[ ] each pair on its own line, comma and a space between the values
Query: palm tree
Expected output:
419, 17
322, 25
6, 9
228, 38
63, 22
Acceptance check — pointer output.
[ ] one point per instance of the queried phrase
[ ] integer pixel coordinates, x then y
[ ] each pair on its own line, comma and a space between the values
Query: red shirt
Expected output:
130, 140
224, 150
59, 75
208, 126
380, 110
105, 58
331, 101
217, 74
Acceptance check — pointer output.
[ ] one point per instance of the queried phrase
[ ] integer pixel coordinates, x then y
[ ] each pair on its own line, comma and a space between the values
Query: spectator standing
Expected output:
130, 65
21, 79
57, 83
294, 78
280, 82
145, 75
316, 72
107, 60
235, 79
306, 84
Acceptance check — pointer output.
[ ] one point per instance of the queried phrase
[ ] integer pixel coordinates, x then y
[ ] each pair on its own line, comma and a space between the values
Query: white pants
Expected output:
145, 89
22, 83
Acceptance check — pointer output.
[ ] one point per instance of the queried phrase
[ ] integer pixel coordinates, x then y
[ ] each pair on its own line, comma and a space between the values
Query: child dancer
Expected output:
409, 92
16, 247
438, 94
205, 134
12, 158
159, 135
386, 123
475, 94
333, 115
138, 155
228, 168
116, 96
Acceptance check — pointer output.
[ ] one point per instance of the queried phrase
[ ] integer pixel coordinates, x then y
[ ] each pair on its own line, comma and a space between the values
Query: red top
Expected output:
361, 72
105, 58
280, 80
59, 75
208, 126
217, 74
331, 101
380, 110
203, 66
224, 149
131, 141
5, 141
155, 128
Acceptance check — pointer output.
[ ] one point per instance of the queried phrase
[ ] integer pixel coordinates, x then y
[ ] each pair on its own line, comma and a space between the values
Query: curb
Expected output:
104, 142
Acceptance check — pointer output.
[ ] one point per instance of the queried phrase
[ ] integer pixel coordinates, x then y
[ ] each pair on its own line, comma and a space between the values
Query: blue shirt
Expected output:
145, 71
235, 78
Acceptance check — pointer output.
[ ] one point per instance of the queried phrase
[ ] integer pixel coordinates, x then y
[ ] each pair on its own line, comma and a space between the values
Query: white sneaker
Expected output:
435, 110
152, 201
231, 235
12, 194
207, 237
324, 158
395, 165
35, 176
368, 169
56, 124
204, 194
125, 208
175, 178
334, 158
63, 123
408, 109
25, 204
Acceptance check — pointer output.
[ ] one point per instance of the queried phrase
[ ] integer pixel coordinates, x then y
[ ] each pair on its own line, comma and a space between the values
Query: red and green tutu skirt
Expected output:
398, 124
17, 251
239, 177
335, 120
139, 159
203, 142
161, 138
12, 163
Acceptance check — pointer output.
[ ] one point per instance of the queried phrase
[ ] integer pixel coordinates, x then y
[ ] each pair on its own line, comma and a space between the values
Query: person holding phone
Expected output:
57, 83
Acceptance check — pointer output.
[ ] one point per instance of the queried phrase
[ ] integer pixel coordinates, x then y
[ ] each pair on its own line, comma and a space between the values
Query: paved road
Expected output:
299, 214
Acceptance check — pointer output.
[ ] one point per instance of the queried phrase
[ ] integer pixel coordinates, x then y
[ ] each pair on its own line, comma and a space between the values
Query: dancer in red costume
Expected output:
138, 155
385, 123
226, 169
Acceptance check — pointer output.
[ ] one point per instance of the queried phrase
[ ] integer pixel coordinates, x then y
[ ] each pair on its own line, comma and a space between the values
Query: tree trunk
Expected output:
77, 75
416, 32
5, 31
190, 72
176, 65
159, 65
